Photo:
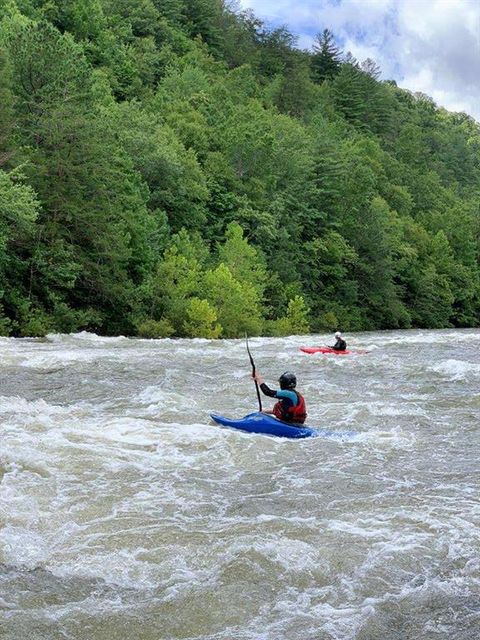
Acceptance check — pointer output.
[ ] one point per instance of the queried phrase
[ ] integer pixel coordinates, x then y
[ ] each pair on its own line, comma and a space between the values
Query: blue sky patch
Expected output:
431, 46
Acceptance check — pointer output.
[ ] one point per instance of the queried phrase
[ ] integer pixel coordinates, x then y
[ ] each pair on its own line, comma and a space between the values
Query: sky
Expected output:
432, 46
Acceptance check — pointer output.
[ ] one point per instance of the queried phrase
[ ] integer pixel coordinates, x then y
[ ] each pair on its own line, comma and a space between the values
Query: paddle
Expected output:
253, 373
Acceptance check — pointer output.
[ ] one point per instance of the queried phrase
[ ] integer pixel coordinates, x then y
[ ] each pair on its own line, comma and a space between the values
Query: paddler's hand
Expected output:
258, 378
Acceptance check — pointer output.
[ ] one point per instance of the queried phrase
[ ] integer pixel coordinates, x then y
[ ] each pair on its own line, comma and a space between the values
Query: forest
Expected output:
180, 168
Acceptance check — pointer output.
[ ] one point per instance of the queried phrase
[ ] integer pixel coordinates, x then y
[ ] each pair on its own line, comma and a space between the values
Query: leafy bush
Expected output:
155, 328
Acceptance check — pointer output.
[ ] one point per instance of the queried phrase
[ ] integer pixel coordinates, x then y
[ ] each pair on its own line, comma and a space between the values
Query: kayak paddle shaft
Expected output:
253, 374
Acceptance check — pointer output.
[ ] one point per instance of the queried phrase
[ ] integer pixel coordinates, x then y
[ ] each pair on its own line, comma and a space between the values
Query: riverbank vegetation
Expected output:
178, 168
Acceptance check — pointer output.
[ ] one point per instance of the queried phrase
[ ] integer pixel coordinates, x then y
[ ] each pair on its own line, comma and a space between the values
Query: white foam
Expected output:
123, 481
22, 547
33, 408
457, 369
85, 337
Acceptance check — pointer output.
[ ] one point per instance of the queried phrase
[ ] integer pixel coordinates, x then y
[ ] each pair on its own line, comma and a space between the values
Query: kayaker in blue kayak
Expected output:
291, 405
340, 344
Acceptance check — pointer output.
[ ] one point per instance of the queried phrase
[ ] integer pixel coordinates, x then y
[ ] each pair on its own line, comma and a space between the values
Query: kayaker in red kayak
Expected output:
291, 404
340, 344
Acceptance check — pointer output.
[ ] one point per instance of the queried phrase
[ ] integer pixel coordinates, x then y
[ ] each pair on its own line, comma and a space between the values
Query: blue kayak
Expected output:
263, 423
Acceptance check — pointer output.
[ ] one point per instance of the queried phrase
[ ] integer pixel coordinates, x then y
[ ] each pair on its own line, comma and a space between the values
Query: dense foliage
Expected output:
176, 168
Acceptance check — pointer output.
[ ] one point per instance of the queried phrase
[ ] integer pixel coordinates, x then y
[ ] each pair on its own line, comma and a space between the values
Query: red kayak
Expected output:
330, 350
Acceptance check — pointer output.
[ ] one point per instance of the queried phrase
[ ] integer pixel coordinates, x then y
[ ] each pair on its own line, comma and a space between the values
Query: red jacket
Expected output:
297, 413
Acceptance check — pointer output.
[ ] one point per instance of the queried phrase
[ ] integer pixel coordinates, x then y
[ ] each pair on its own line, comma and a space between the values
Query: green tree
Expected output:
201, 320
243, 260
365, 103
432, 305
170, 9
6, 110
203, 18
94, 228
295, 322
176, 183
326, 59
141, 16
19, 209
236, 303
329, 273
239, 44
168, 292
276, 48
292, 91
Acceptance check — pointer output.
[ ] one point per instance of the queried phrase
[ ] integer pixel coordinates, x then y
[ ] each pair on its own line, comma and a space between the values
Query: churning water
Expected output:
126, 514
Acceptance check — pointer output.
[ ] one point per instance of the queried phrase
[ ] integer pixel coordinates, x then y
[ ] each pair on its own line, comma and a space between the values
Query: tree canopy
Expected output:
178, 168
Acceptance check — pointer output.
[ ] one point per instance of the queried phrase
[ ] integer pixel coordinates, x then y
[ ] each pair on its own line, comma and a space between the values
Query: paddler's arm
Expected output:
265, 389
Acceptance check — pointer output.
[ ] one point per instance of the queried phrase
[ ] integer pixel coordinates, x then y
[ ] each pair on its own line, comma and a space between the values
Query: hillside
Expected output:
175, 167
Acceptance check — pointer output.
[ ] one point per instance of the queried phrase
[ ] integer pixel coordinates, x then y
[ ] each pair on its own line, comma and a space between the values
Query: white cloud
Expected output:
431, 46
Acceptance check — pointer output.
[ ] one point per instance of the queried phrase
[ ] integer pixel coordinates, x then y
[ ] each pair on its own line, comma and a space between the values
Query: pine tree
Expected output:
325, 61
366, 103
203, 18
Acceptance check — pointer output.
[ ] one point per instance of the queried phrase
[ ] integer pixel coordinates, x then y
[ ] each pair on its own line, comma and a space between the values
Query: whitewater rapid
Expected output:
125, 513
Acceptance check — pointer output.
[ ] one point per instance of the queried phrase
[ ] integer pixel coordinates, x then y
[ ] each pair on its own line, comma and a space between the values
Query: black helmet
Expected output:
288, 380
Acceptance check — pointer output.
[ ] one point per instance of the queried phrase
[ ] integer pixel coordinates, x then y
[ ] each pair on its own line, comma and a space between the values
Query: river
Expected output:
126, 514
